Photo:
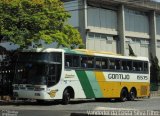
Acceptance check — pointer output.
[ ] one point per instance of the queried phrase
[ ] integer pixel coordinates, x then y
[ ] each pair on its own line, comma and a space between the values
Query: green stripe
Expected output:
85, 84
70, 51
95, 86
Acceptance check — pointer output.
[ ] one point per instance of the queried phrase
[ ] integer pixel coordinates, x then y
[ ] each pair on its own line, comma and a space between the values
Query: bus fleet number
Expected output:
142, 77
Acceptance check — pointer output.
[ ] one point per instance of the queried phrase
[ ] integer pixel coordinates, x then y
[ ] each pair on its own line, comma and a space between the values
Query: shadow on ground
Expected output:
49, 103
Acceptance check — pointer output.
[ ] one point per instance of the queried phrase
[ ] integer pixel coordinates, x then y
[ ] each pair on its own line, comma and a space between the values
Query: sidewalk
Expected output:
155, 93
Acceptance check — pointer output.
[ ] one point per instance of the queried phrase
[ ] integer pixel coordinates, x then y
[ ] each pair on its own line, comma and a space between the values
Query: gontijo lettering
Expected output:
119, 76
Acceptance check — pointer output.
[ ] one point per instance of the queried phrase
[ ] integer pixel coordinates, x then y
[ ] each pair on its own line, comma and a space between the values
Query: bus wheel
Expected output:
66, 97
123, 95
132, 94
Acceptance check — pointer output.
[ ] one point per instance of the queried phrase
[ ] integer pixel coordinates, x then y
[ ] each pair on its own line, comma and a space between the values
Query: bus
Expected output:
47, 74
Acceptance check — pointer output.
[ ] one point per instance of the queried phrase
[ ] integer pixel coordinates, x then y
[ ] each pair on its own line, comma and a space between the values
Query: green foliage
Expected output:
154, 69
26, 21
131, 53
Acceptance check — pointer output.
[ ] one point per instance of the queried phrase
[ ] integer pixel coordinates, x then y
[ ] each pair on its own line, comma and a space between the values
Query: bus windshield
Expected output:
30, 73
37, 68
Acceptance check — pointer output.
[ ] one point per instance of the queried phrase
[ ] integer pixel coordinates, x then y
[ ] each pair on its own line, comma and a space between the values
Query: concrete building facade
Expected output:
110, 25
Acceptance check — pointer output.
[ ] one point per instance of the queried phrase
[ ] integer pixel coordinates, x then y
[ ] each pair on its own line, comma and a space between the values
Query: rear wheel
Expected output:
132, 95
123, 95
66, 97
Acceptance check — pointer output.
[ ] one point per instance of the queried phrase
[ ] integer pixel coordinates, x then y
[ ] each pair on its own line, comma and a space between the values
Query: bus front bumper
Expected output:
31, 94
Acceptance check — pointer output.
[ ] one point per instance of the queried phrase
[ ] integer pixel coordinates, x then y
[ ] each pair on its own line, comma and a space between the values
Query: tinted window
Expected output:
90, 62
72, 61
84, 62
127, 65
118, 64
146, 66
98, 63
68, 60
104, 63
112, 64
76, 60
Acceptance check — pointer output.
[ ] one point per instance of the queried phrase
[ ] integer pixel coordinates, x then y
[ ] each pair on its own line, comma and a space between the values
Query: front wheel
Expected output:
66, 97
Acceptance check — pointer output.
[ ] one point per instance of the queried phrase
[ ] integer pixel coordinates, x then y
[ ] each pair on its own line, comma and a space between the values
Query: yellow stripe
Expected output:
102, 82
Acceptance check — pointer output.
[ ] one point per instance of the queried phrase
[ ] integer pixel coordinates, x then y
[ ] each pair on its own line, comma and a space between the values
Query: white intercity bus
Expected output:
64, 74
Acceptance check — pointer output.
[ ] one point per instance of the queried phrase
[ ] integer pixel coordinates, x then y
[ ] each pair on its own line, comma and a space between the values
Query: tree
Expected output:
131, 53
24, 22
154, 70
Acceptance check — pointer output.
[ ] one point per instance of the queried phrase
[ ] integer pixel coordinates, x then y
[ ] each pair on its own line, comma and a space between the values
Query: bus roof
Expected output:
104, 54
86, 52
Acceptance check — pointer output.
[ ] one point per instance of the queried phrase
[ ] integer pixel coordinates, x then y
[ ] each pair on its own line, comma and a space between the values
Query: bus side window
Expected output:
123, 63
112, 64
135, 66
118, 64
68, 60
67, 64
104, 63
129, 65
98, 63
84, 62
140, 66
76, 61
146, 66
90, 62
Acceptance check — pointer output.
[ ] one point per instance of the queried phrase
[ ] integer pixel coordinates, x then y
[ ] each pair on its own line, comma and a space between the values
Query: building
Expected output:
110, 25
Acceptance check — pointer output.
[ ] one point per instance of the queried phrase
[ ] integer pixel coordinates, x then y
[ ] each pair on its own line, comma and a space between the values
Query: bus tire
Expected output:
123, 95
66, 97
132, 94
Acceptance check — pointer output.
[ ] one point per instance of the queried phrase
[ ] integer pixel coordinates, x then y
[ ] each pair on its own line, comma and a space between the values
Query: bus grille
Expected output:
30, 88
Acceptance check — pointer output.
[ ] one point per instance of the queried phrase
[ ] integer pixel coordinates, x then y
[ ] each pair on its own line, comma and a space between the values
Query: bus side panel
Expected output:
94, 83
85, 83
71, 78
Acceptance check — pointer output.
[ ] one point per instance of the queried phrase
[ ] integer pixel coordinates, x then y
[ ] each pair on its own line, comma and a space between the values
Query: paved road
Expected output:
76, 107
